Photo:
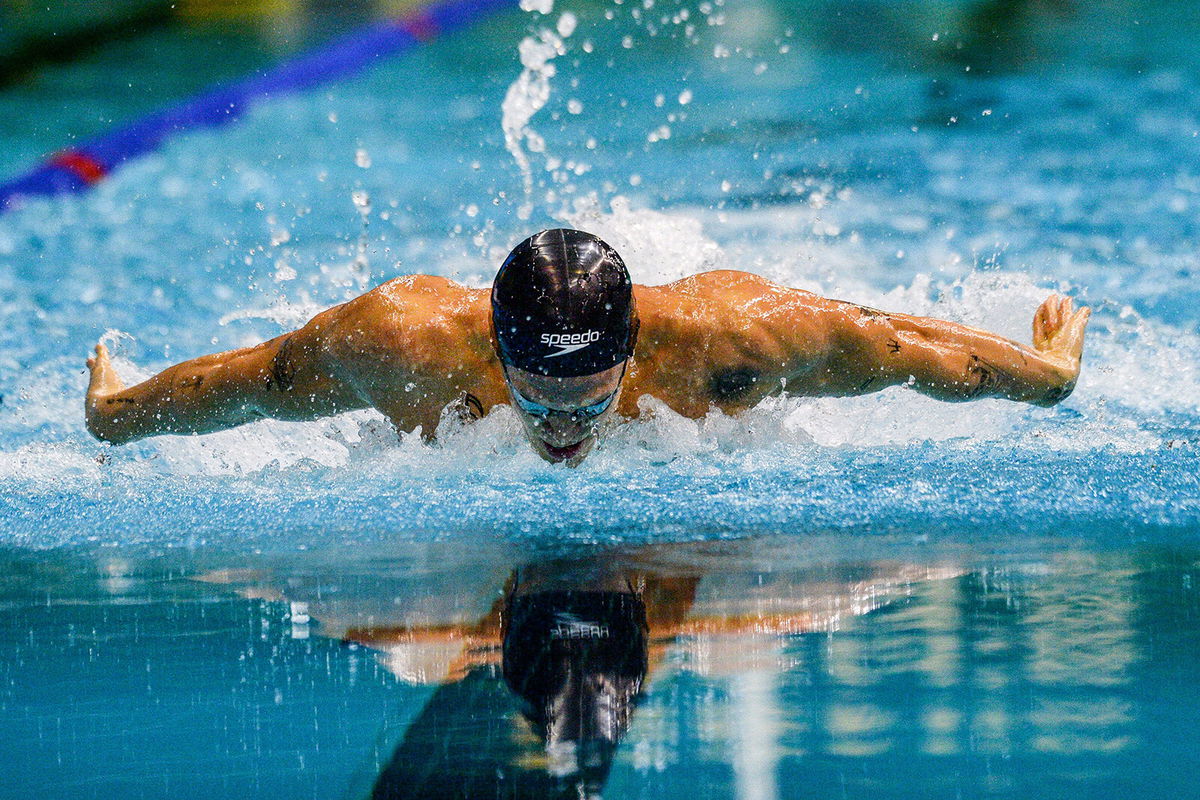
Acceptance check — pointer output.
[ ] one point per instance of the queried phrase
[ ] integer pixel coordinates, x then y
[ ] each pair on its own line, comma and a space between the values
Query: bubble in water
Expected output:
362, 201
574, 106
567, 24
661, 133
362, 158
685, 97
540, 6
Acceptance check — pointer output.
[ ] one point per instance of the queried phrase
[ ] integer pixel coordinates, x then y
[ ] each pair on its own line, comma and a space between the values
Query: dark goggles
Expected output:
578, 415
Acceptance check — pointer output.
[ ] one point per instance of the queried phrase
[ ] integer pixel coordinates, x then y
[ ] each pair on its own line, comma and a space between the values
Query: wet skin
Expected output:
725, 340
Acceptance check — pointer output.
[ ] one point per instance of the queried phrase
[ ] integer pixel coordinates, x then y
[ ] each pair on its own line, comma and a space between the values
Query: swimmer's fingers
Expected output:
1058, 326
1066, 308
1075, 329
100, 356
1045, 322
104, 379
1059, 309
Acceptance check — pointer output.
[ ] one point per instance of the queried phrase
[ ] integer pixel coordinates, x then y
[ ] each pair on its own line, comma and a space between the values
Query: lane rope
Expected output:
78, 168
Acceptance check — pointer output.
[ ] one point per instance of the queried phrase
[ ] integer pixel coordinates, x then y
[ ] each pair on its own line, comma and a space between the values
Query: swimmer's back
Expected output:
723, 338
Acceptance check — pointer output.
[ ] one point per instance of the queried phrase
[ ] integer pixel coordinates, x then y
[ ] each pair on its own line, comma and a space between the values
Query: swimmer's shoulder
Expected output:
409, 291
413, 321
411, 301
726, 297
726, 285
734, 324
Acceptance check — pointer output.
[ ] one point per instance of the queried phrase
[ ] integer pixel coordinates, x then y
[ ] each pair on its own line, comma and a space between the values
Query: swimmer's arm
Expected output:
284, 378
873, 349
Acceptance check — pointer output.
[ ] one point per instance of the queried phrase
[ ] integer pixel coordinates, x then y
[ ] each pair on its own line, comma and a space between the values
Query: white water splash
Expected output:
657, 246
567, 24
529, 94
282, 311
361, 266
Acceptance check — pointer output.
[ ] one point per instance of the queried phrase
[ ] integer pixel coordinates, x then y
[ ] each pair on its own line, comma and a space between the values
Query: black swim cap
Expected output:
562, 305
577, 659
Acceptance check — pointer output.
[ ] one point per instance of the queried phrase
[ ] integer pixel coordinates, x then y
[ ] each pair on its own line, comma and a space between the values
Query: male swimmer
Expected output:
567, 339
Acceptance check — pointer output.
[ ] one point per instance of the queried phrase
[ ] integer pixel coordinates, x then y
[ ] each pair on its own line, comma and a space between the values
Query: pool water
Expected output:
777, 668
1013, 586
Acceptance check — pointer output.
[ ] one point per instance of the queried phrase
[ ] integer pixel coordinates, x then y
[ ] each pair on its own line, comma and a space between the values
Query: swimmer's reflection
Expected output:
575, 648
576, 656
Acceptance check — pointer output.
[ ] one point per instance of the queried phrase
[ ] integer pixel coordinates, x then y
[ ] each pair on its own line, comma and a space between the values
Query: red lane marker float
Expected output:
77, 162
422, 26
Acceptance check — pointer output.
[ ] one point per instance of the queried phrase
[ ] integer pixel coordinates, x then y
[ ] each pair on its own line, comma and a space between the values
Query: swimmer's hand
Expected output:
1058, 335
103, 384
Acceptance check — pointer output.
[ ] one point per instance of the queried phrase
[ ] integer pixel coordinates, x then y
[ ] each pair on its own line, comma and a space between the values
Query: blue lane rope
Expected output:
77, 168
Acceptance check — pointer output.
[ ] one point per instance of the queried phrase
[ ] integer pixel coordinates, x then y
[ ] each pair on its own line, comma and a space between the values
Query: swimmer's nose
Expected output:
562, 432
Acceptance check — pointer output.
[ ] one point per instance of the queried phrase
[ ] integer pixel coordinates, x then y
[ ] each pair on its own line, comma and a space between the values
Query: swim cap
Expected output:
562, 305
577, 659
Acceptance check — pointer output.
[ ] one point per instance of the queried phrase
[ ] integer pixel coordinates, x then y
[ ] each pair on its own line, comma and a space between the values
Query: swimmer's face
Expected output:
563, 415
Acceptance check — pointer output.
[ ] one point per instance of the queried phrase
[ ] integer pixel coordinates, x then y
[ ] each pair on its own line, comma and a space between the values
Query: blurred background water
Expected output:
959, 159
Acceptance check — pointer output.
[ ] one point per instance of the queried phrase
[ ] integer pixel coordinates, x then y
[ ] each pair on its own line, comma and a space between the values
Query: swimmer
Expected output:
567, 340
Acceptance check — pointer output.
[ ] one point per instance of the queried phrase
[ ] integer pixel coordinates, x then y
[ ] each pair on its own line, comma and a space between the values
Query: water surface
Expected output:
870, 597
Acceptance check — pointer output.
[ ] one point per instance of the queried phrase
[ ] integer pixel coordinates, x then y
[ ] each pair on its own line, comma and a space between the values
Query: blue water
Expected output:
834, 166
779, 668
841, 147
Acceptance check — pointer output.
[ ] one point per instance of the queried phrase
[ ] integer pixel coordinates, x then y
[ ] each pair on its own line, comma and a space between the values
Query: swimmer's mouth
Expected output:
563, 453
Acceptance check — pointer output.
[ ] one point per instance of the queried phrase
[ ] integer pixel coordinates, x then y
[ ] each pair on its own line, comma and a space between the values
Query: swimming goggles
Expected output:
541, 412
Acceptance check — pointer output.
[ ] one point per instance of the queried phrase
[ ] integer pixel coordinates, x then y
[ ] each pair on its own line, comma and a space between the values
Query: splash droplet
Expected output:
567, 24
